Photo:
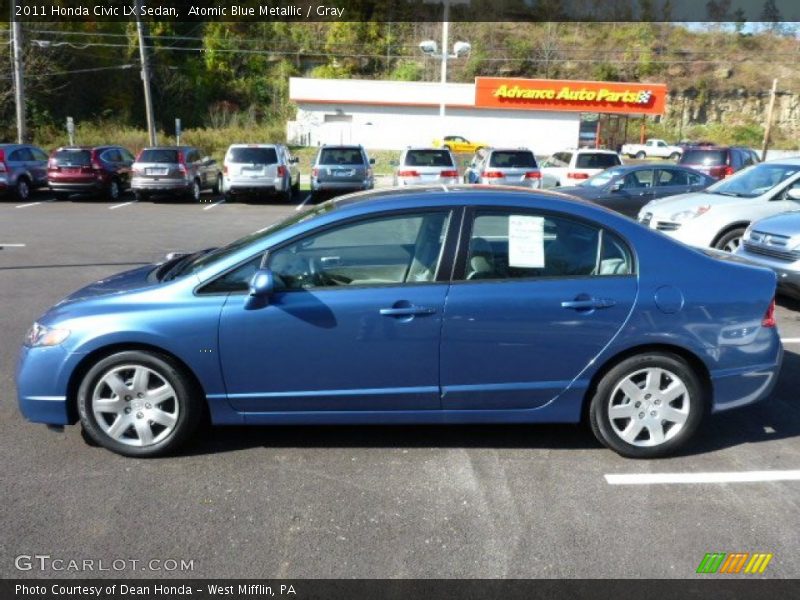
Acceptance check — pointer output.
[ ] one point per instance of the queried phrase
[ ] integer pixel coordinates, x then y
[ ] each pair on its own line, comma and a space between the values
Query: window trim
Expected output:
460, 267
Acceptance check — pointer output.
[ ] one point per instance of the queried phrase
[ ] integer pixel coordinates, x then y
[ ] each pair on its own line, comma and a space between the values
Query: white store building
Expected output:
393, 115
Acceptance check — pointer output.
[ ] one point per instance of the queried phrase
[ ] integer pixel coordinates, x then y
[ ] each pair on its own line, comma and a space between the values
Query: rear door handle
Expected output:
407, 311
588, 303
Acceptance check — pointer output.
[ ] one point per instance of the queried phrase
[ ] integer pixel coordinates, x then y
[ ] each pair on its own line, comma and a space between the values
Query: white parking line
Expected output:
27, 205
2, 245
790, 340
121, 205
303, 203
217, 203
723, 477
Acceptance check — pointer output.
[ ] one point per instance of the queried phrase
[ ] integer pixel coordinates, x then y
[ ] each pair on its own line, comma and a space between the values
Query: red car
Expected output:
104, 170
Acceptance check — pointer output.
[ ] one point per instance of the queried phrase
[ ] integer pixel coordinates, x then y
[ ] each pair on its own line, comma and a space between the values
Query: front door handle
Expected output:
588, 303
407, 311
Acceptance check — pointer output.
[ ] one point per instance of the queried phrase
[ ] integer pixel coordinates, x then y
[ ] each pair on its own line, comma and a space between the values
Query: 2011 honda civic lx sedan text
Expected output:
446, 305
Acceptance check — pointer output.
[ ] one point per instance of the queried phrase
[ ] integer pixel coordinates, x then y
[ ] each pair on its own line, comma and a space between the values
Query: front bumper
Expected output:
42, 378
788, 273
693, 232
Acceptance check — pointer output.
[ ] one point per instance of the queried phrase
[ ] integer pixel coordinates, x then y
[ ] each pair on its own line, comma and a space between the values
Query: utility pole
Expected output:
445, 34
773, 92
148, 98
19, 83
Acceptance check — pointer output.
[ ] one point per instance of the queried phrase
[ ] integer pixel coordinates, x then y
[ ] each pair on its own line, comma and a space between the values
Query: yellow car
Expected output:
458, 144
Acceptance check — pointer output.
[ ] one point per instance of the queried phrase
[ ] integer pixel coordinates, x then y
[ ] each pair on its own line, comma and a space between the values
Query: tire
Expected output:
446, 147
228, 197
640, 155
731, 240
114, 190
194, 191
61, 196
133, 426
296, 187
22, 191
675, 156
217, 185
141, 196
285, 197
641, 428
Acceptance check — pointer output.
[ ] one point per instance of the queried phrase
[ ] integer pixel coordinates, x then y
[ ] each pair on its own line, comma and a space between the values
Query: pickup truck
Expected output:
652, 147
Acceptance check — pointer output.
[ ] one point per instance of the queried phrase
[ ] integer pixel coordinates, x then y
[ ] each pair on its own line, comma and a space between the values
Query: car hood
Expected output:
787, 224
126, 281
674, 204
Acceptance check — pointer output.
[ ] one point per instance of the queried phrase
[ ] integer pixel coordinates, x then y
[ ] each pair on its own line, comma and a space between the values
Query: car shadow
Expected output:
776, 418
788, 303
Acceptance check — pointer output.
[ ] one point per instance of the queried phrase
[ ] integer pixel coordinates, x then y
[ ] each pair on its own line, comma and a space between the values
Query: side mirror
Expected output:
616, 186
262, 286
793, 193
372, 161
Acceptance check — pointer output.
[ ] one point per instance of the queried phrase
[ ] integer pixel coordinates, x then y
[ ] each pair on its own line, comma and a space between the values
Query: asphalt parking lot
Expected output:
400, 502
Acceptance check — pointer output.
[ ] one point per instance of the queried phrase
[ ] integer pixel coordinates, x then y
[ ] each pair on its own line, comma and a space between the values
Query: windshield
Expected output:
602, 178
204, 258
754, 181
258, 156
518, 159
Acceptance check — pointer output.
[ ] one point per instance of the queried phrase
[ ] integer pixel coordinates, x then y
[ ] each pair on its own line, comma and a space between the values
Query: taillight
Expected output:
492, 174
408, 173
182, 163
577, 176
96, 165
52, 164
281, 171
2, 161
728, 171
315, 172
224, 169
769, 316
451, 173
533, 175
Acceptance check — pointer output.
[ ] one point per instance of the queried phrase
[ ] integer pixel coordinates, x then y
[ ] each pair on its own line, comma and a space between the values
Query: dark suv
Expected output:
718, 161
338, 169
181, 170
89, 170
23, 168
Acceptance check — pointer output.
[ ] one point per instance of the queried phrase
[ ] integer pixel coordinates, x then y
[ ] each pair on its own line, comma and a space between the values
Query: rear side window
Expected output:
21, 155
589, 160
708, 158
513, 160
73, 158
428, 158
259, 156
341, 156
159, 156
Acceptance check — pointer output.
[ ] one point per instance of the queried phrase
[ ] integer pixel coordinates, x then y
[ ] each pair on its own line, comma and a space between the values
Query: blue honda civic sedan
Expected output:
445, 305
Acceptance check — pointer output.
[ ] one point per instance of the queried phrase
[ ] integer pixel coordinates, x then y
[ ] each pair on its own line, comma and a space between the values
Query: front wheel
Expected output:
22, 191
731, 240
647, 406
137, 404
675, 156
217, 186
640, 155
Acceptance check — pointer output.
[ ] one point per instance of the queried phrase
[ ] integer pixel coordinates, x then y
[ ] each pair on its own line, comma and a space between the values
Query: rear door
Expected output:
539, 297
160, 164
38, 166
342, 165
636, 191
515, 167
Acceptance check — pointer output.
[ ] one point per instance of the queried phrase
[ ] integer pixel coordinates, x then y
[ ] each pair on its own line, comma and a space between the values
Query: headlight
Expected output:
685, 215
40, 335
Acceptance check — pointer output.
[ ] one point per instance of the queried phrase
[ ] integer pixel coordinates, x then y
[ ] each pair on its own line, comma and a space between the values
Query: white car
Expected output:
719, 216
774, 243
571, 167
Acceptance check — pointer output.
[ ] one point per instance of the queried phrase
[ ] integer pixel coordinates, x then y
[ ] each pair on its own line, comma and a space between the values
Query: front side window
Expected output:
638, 179
528, 245
38, 154
235, 280
386, 250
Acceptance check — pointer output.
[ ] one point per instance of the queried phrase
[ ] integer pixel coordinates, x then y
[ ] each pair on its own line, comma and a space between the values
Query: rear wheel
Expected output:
640, 155
60, 196
647, 406
731, 240
138, 404
194, 191
675, 156
217, 185
114, 190
141, 196
22, 191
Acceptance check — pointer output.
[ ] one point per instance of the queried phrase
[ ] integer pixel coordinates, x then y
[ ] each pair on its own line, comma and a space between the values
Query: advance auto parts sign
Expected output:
564, 95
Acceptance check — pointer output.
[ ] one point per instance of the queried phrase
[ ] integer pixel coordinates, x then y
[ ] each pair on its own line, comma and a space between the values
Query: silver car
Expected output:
180, 170
260, 169
505, 166
23, 168
426, 166
340, 169
774, 242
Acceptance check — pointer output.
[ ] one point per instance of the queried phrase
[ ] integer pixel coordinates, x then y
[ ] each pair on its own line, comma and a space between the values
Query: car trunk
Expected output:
161, 165
342, 166
71, 166
245, 164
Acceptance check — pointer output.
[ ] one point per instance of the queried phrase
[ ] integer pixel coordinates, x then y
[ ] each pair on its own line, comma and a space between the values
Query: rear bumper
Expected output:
248, 185
341, 186
87, 186
160, 185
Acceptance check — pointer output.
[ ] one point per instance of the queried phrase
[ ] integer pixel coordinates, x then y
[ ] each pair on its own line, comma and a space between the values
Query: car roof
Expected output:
243, 145
510, 150
424, 148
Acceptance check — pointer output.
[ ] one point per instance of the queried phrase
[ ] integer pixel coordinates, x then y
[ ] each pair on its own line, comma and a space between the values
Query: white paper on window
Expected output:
526, 242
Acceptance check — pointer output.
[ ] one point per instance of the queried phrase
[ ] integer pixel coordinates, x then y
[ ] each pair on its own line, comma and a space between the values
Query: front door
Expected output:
540, 298
353, 326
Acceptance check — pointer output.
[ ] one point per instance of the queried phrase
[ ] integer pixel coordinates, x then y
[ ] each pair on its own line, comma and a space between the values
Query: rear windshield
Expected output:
513, 160
159, 156
601, 160
76, 158
704, 157
429, 158
341, 156
259, 156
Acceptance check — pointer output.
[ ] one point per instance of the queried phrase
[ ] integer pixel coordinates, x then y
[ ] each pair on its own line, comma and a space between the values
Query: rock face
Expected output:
698, 107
